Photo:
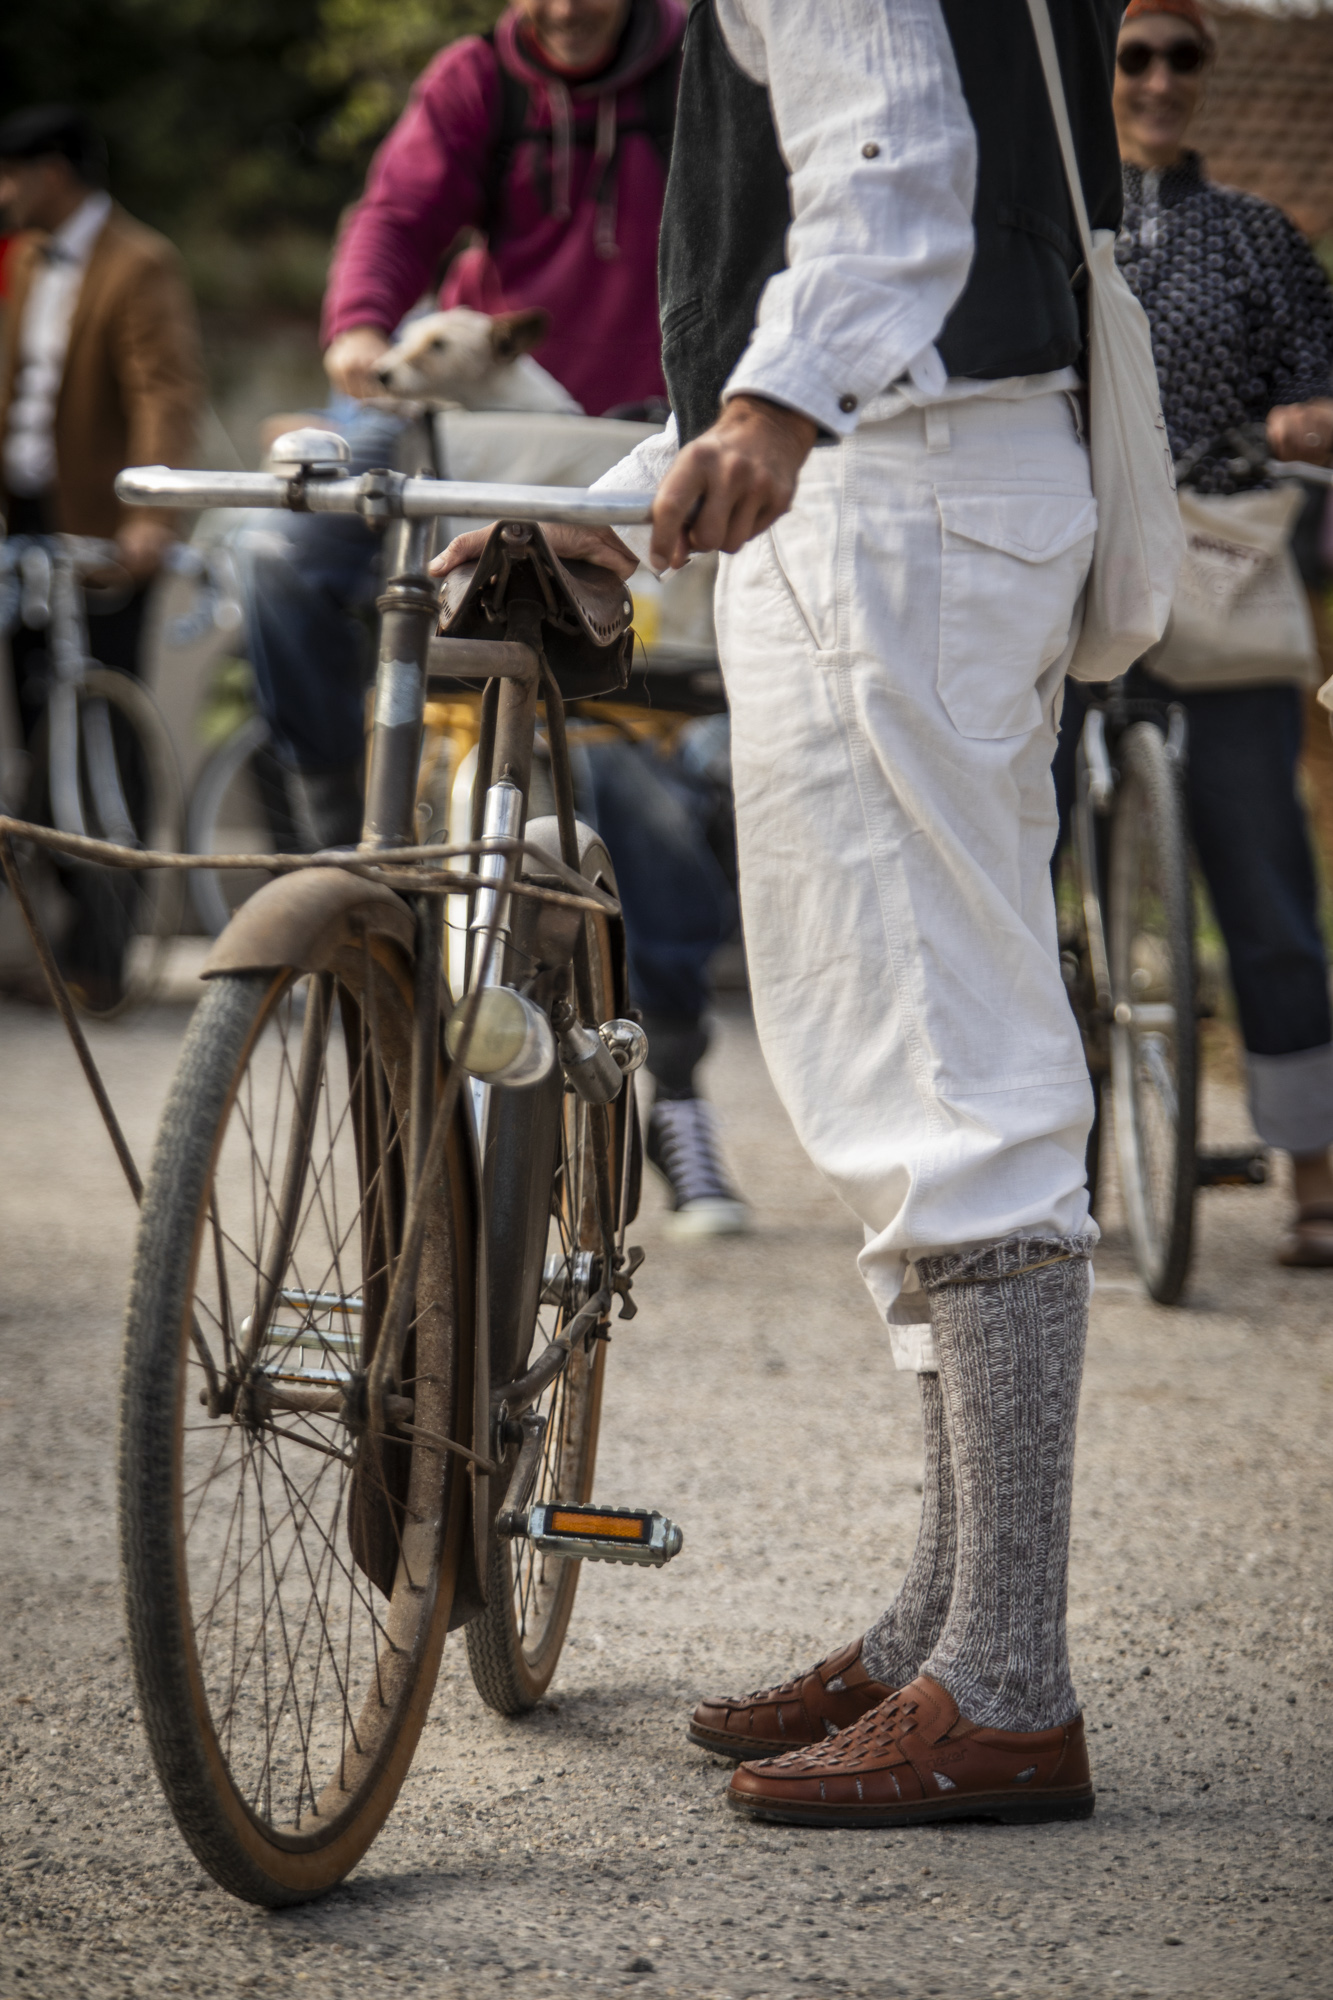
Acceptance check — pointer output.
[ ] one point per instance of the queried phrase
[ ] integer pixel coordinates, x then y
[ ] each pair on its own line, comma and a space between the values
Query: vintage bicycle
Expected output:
1128, 949
384, 1230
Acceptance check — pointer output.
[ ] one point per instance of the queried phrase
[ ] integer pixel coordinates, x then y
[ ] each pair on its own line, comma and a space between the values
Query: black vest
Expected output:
727, 207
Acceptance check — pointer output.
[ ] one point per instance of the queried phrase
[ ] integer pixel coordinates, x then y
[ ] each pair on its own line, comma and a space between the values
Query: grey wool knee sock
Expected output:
1009, 1325
899, 1640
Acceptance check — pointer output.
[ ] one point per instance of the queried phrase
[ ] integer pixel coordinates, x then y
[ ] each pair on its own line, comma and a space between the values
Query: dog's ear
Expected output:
515, 333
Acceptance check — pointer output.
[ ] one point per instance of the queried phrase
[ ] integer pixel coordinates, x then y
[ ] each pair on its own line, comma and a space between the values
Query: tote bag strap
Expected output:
1055, 90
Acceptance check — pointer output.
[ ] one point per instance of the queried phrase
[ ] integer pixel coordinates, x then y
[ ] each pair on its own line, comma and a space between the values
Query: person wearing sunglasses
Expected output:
1242, 327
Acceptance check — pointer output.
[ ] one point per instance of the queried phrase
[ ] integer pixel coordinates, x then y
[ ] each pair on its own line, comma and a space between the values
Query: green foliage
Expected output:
241, 121
371, 52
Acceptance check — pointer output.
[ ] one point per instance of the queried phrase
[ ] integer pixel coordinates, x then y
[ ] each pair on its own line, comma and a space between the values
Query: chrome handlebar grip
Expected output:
162, 486
575, 506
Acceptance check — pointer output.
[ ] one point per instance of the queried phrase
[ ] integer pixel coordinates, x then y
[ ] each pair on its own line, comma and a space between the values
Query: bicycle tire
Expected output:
1092, 1158
239, 804
253, 1539
514, 1645
1154, 1036
147, 811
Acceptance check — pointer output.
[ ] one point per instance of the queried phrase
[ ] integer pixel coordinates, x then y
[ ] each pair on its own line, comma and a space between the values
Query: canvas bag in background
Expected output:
1241, 616
1137, 554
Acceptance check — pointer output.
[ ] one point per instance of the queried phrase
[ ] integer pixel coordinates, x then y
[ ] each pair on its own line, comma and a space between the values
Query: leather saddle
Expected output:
586, 613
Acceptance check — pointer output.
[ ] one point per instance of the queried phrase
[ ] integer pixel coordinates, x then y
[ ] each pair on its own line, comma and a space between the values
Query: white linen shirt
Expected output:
879, 248
30, 439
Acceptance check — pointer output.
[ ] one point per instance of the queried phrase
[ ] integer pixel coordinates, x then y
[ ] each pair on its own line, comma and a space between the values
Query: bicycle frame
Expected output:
515, 677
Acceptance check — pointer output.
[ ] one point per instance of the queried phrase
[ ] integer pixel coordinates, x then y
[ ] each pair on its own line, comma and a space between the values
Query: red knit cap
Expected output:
1188, 10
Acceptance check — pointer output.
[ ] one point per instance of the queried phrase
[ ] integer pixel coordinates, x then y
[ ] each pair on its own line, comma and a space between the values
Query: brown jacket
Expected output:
133, 387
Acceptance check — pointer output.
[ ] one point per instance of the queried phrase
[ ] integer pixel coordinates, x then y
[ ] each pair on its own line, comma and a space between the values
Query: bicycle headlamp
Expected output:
510, 1040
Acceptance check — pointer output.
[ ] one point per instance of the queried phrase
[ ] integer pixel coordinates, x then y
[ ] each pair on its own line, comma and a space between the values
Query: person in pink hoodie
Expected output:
550, 136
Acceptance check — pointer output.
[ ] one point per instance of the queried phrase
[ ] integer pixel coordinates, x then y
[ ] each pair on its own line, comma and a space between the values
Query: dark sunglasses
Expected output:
1185, 58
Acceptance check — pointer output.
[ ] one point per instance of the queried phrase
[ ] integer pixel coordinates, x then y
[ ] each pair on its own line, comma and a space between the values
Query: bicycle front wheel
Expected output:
289, 1572
1154, 1039
514, 1646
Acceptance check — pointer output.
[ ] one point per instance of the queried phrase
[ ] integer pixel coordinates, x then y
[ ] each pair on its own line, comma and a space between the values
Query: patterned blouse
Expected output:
1241, 313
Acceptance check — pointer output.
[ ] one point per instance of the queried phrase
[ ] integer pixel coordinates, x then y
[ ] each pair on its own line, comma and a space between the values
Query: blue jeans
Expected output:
1253, 847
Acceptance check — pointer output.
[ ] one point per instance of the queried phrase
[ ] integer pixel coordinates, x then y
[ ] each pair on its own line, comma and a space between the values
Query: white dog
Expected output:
475, 361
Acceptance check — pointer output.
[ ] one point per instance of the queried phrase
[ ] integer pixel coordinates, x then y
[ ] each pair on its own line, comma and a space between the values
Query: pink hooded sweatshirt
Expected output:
571, 216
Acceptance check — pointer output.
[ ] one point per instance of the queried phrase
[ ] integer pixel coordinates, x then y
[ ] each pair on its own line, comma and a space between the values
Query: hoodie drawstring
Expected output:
562, 149
604, 177
603, 184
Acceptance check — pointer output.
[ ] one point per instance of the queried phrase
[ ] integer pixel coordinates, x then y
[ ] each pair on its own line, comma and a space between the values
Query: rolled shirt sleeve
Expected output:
881, 154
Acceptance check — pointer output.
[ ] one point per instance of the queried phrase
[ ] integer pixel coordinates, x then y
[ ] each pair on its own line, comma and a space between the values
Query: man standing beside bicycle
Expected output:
872, 340
1242, 325
550, 135
100, 368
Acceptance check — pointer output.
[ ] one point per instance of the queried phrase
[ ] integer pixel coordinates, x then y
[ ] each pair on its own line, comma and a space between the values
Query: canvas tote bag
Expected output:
1241, 615
1137, 554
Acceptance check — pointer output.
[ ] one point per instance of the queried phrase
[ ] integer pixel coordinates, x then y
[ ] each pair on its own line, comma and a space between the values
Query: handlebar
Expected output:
1297, 468
381, 496
1248, 444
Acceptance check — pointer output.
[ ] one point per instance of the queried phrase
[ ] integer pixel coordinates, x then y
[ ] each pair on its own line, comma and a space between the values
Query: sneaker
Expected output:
682, 1145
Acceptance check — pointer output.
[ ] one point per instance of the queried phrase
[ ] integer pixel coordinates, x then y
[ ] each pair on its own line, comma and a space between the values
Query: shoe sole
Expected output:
751, 1750
1000, 1807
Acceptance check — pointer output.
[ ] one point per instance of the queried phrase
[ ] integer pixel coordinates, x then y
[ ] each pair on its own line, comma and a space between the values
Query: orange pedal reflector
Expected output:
625, 1527
604, 1534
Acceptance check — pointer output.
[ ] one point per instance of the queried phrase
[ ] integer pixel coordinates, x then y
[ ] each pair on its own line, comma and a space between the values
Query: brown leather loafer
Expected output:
914, 1759
810, 1709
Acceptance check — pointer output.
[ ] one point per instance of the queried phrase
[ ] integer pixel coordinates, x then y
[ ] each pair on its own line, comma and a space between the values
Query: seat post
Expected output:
517, 712
408, 610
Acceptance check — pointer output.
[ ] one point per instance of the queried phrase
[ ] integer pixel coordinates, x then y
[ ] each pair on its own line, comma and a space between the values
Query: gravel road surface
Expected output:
587, 1848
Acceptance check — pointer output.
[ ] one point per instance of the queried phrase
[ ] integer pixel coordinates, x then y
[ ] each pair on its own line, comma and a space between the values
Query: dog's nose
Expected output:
382, 375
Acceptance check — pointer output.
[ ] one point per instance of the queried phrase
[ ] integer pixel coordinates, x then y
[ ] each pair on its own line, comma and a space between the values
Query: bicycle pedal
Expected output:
604, 1534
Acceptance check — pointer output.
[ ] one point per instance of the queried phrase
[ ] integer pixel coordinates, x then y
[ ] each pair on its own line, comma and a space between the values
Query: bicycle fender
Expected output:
302, 920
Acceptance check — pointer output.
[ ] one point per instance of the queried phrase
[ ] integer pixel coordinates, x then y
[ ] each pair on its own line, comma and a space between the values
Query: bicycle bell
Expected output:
310, 453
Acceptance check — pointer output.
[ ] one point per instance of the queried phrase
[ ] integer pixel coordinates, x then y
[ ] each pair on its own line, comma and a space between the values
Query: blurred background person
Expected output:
100, 368
1242, 327
543, 148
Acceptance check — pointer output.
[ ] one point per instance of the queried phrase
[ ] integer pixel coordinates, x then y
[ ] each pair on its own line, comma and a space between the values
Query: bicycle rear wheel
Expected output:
1154, 1042
108, 766
241, 804
514, 1646
290, 1573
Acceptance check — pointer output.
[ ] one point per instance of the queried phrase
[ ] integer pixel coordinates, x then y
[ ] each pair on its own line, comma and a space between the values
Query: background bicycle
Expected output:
95, 758
1130, 909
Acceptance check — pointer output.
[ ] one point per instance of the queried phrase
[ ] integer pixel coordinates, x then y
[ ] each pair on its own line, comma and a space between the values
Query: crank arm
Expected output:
512, 1518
